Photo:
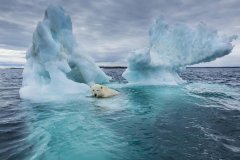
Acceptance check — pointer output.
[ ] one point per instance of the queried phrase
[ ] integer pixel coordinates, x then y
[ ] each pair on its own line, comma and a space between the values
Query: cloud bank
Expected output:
109, 29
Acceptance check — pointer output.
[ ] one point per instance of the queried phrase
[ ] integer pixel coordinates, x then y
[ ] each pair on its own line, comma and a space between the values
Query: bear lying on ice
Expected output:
101, 91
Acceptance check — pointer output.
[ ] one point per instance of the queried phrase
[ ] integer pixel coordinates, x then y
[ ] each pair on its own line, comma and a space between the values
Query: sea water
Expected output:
196, 120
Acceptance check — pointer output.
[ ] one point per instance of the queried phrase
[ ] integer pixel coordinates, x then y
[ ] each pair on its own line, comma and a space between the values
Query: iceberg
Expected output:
55, 64
172, 47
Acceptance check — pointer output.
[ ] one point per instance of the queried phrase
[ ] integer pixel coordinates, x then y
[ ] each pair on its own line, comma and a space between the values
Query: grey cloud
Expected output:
109, 29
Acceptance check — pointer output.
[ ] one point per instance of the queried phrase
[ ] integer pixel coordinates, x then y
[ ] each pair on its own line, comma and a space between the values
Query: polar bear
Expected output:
101, 91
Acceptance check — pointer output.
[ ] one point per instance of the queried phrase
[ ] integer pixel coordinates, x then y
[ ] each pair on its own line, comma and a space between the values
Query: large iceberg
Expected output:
55, 65
173, 47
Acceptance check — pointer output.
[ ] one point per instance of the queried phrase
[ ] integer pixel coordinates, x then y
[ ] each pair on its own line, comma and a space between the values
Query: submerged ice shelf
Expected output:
55, 65
172, 47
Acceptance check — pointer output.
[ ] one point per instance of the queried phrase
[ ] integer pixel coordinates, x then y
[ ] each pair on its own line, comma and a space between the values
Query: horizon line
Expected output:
118, 66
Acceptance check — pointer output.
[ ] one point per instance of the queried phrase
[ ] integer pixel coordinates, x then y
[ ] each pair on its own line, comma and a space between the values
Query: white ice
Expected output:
173, 47
55, 65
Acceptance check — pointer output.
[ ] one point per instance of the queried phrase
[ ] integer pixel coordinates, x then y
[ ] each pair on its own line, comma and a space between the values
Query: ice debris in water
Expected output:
55, 65
173, 47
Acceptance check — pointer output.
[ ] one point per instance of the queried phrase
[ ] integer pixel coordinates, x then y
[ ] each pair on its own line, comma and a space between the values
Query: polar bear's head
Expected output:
98, 90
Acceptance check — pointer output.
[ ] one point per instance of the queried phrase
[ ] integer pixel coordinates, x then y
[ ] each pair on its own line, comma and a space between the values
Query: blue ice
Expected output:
173, 47
54, 60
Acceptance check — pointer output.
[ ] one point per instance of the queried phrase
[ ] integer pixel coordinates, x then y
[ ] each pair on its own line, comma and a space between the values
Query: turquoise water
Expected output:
197, 120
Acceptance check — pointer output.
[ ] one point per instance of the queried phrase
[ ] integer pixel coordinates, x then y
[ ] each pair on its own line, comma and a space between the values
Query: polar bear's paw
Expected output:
101, 91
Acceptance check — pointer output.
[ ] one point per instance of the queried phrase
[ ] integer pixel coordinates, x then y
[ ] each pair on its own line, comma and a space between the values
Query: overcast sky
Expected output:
109, 29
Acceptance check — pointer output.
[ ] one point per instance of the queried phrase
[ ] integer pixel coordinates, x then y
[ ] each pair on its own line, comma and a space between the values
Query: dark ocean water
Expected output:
199, 120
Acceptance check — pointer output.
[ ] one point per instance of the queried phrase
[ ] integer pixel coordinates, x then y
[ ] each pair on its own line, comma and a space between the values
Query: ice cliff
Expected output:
55, 65
173, 47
